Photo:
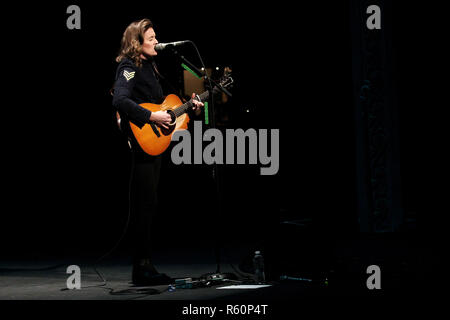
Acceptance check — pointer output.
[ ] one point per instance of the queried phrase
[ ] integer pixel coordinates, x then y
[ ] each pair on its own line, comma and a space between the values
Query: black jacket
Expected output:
135, 85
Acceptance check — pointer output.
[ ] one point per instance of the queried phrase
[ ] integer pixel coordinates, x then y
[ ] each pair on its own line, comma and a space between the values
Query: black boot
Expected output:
145, 274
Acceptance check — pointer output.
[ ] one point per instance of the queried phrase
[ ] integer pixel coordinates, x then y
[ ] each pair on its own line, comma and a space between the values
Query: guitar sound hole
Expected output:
173, 116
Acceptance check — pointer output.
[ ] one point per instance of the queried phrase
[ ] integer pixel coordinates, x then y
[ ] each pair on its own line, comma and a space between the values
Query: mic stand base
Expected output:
219, 277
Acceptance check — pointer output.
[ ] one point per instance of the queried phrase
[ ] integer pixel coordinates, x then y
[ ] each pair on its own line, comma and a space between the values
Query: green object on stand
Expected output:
190, 70
206, 113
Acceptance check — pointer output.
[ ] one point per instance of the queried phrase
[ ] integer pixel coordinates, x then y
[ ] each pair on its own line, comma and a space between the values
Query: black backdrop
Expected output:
66, 166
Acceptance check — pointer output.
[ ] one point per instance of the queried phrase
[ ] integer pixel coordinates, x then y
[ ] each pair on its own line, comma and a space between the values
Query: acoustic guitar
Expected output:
155, 140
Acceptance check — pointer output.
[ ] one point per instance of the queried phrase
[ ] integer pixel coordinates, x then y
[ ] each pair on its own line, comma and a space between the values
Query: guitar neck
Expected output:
185, 107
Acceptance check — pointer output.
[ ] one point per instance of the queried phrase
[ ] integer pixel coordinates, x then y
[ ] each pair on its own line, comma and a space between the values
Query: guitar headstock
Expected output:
225, 82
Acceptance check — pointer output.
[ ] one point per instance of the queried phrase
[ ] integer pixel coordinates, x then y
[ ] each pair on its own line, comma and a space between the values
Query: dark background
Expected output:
66, 165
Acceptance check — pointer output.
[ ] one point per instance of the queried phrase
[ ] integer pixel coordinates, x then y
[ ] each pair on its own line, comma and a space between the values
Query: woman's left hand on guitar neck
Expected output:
197, 105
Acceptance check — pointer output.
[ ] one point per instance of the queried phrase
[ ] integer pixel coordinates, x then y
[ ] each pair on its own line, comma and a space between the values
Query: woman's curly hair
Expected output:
132, 39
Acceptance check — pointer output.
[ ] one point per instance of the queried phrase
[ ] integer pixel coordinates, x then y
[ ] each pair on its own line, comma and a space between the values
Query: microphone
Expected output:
162, 46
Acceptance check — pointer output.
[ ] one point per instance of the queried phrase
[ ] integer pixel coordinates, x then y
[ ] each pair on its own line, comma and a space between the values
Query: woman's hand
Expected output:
197, 105
162, 118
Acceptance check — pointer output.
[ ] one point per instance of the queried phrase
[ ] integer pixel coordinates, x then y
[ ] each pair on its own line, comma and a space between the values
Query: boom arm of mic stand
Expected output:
198, 71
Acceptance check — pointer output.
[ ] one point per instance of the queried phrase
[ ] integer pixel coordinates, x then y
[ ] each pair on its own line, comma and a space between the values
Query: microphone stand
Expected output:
218, 275
198, 71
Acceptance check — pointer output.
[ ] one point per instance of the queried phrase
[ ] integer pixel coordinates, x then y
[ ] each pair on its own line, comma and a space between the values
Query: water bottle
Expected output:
258, 264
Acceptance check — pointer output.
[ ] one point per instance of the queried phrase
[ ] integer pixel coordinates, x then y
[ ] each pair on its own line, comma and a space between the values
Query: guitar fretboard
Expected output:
184, 107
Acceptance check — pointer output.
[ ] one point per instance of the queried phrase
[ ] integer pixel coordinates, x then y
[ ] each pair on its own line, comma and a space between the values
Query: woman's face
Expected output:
148, 47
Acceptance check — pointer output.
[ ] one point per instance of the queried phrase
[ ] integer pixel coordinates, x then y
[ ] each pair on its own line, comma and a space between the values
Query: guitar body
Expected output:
155, 144
146, 137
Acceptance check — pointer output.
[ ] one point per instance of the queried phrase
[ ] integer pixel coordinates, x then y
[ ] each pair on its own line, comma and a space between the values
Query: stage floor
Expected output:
406, 271
19, 282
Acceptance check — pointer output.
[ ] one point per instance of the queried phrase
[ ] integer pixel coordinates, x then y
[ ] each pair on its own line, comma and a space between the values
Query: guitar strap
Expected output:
155, 130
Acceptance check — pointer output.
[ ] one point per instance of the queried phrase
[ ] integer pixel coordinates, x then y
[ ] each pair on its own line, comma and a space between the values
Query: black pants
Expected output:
144, 201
